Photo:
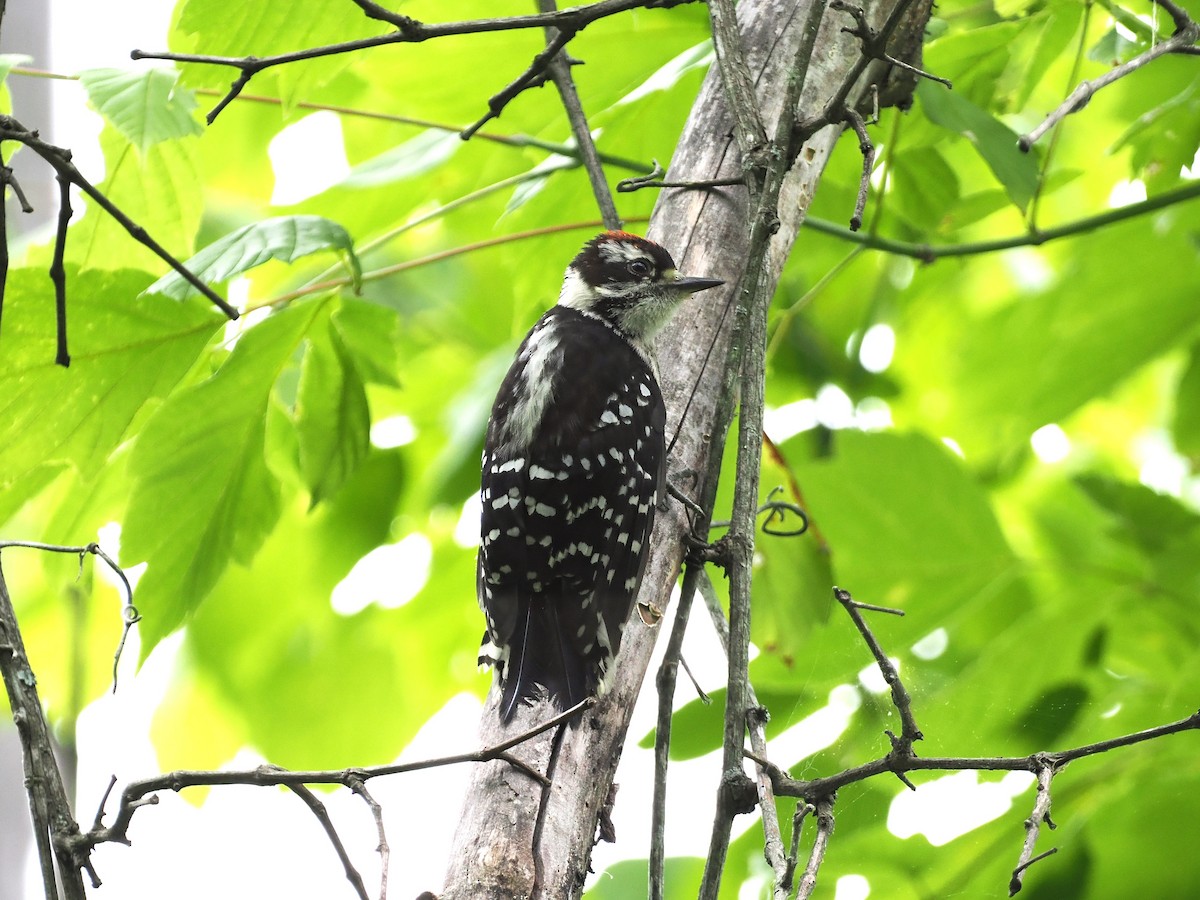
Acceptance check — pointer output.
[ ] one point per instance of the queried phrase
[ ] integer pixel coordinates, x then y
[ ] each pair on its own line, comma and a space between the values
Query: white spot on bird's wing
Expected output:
585, 464
624, 411
536, 471
623, 538
630, 584
568, 459
493, 534
608, 417
635, 547
543, 510
645, 389
513, 532
616, 454
499, 502
513, 465
545, 542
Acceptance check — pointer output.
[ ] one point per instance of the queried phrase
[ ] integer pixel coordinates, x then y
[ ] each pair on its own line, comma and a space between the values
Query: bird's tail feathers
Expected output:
541, 661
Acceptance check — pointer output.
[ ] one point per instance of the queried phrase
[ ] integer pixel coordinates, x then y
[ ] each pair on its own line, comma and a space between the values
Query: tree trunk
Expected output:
512, 842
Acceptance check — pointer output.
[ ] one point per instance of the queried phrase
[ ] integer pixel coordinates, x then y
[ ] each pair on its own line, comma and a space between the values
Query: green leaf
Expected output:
1164, 139
7, 61
995, 141
1027, 356
125, 351
926, 187
285, 238
1187, 408
333, 421
906, 524
1150, 520
203, 496
159, 189
264, 27
370, 335
144, 106
1113, 49
1052, 714
416, 156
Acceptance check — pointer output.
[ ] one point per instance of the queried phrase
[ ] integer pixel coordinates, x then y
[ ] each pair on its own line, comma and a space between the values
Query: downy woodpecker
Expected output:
573, 465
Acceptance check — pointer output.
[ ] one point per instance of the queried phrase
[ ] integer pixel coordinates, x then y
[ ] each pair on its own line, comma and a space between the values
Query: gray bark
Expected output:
501, 849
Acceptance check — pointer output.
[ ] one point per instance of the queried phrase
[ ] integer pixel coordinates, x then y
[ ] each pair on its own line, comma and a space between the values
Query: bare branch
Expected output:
54, 826
667, 673
1033, 826
136, 792
817, 788
909, 732
560, 71
867, 149
534, 76
1187, 33
825, 823
318, 809
409, 31
60, 160
932, 252
757, 718
385, 852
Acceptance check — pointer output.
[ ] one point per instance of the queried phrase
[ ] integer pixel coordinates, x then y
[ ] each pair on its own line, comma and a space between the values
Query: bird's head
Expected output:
629, 281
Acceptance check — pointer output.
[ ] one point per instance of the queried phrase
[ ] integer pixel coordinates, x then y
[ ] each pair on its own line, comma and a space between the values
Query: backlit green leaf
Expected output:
286, 238
146, 106
995, 141
203, 496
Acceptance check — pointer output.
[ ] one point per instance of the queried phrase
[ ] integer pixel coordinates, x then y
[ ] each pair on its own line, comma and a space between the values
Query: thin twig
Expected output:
802, 811
60, 160
408, 31
665, 681
1033, 827
318, 809
560, 71
375, 11
932, 252
58, 274
756, 725
533, 76
867, 149
909, 732
653, 179
385, 851
1187, 32
129, 612
6, 178
136, 792
825, 824
816, 788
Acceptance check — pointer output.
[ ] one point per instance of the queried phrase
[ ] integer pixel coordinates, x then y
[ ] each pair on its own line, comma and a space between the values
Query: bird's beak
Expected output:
691, 285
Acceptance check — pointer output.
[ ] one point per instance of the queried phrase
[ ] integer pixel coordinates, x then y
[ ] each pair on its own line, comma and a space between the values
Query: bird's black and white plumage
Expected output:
573, 465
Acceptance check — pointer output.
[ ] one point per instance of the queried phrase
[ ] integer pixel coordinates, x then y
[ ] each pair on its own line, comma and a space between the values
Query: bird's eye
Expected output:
640, 268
